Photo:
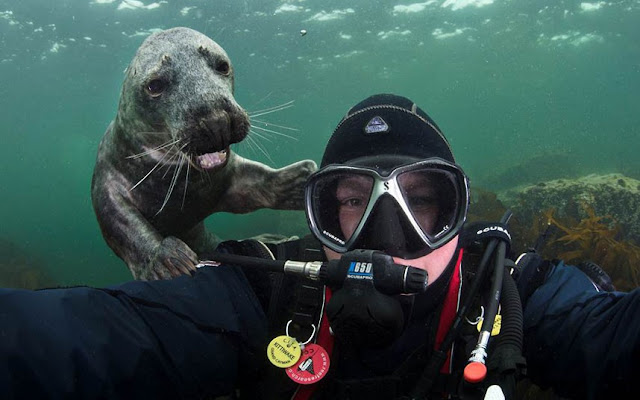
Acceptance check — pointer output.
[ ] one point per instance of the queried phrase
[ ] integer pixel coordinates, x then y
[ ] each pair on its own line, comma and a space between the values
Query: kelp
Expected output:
597, 238
594, 238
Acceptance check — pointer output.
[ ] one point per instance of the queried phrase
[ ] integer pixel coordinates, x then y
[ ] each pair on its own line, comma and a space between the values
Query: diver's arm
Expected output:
582, 342
189, 337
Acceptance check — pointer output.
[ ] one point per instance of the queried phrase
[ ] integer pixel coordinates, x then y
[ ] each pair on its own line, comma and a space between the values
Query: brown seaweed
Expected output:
597, 239
594, 238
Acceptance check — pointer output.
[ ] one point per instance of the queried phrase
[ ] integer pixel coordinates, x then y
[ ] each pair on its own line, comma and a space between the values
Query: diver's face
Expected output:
353, 193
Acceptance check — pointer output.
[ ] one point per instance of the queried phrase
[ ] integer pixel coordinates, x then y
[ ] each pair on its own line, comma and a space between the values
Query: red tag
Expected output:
312, 366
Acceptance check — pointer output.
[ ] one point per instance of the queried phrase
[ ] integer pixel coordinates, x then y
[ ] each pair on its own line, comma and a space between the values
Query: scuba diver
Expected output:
388, 185
392, 296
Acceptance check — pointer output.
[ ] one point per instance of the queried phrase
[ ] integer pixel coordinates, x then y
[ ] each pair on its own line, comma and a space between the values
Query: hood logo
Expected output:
376, 125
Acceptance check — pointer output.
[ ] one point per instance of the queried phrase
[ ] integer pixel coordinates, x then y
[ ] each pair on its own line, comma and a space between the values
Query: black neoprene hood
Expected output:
383, 138
386, 124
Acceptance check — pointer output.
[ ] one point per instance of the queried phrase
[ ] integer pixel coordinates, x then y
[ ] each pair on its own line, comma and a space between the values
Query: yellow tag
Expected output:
497, 323
284, 351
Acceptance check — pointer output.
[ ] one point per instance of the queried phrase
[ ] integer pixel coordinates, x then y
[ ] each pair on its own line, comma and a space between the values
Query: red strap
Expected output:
325, 339
449, 310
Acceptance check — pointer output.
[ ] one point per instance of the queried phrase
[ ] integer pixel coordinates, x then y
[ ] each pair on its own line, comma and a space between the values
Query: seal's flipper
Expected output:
289, 186
256, 186
171, 259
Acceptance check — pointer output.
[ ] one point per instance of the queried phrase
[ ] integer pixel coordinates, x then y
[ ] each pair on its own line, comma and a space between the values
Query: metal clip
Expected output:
310, 337
207, 263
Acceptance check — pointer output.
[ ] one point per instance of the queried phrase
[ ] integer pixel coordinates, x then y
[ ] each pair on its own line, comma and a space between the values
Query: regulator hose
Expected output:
511, 332
427, 379
506, 354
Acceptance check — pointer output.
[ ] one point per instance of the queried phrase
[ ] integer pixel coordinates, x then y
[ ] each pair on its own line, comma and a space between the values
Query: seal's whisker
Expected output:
186, 181
269, 112
276, 125
274, 132
161, 147
205, 178
170, 162
246, 144
189, 157
191, 162
260, 135
186, 143
149, 173
174, 179
265, 98
262, 150
271, 109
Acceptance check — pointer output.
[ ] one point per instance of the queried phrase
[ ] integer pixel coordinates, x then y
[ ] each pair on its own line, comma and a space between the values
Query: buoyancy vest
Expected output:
285, 298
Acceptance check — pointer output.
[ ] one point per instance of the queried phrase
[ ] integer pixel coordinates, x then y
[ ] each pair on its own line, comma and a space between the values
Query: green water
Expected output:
507, 81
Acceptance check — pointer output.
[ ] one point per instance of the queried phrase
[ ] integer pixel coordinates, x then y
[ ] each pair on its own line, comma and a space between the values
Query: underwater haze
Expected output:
552, 81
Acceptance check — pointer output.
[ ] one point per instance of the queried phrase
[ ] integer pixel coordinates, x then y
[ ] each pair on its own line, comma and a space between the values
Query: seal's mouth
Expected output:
212, 160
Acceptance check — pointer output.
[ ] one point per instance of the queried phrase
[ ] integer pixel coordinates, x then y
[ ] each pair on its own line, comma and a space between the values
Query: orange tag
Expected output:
312, 366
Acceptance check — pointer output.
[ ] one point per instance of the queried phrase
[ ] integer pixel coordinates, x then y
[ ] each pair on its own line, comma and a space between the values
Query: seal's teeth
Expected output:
210, 160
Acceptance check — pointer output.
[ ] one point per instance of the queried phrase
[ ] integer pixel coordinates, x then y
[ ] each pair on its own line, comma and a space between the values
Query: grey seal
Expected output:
164, 163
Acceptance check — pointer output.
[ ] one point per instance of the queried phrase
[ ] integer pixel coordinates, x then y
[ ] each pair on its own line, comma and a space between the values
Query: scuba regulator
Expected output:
364, 309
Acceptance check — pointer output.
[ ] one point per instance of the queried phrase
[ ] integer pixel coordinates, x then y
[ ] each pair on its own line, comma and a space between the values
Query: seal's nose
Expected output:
216, 128
210, 129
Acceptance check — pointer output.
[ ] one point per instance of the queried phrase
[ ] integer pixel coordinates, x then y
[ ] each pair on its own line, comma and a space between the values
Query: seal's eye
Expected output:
223, 68
156, 87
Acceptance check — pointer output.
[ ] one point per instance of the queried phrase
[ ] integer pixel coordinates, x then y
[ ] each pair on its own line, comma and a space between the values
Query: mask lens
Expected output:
433, 198
338, 203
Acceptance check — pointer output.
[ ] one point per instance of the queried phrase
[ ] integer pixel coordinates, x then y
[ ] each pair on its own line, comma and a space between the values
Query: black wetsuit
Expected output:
198, 336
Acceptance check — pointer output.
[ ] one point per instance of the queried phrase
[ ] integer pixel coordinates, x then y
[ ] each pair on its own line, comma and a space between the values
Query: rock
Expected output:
613, 195
20, 269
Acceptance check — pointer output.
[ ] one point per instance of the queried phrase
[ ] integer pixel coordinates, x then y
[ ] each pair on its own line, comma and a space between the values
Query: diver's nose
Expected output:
384, 231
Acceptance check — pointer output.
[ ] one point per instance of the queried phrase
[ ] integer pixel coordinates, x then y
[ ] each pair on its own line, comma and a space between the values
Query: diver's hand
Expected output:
172, 258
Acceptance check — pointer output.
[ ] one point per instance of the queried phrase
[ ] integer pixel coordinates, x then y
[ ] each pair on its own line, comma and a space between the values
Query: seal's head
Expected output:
179, 89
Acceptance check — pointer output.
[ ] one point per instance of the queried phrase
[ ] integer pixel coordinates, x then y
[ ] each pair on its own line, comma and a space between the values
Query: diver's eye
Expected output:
156, 87
223, 68
352, 202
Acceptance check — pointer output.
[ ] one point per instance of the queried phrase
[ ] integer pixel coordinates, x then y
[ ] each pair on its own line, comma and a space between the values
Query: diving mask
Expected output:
404, 209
